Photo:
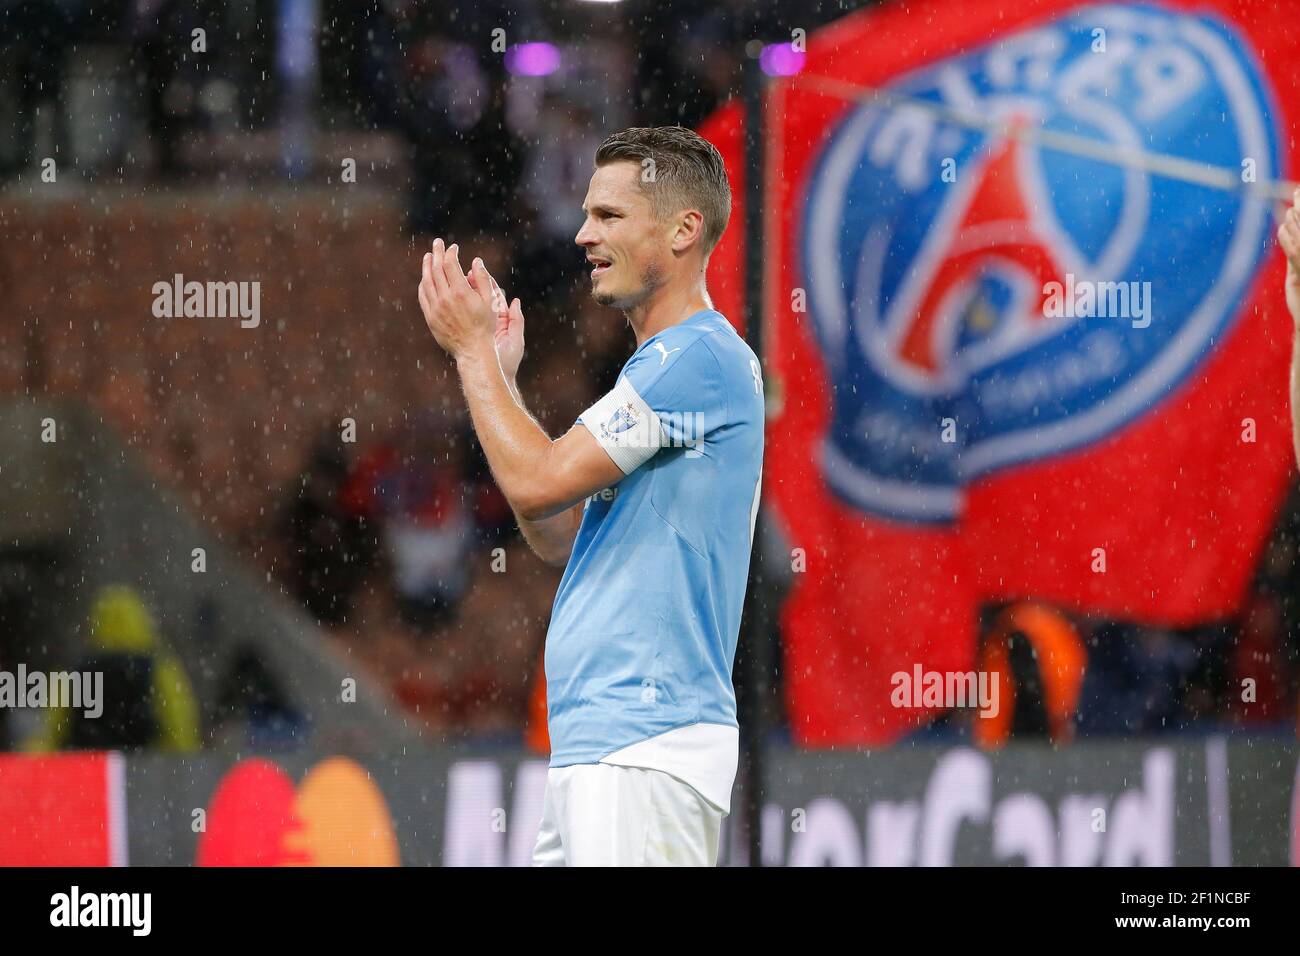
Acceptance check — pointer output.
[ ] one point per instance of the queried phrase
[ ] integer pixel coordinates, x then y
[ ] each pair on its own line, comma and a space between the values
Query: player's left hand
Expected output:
461, 316
510, 327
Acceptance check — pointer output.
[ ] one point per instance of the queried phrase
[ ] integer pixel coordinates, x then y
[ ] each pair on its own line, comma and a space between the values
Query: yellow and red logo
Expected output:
335, 817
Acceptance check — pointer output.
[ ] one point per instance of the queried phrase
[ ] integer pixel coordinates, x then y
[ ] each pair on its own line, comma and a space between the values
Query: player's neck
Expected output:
668, 308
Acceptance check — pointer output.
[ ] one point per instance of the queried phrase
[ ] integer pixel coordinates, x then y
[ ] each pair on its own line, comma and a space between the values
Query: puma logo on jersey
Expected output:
665, 352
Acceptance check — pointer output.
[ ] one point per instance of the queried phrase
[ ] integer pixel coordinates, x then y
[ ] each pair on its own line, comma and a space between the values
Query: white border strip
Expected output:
1216, 786
115, 785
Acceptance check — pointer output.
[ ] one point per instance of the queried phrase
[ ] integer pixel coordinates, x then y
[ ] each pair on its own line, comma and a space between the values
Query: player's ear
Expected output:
687, 231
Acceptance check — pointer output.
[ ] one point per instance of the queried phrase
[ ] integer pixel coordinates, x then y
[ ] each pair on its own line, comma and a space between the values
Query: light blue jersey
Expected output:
644, 628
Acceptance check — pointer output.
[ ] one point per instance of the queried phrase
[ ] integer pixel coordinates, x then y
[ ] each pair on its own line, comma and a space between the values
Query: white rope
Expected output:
1171, 167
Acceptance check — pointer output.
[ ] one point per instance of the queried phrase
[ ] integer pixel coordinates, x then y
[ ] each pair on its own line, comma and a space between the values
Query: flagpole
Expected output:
755, 652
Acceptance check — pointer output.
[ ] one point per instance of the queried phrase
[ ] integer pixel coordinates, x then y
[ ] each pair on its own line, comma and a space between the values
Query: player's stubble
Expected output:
652, 279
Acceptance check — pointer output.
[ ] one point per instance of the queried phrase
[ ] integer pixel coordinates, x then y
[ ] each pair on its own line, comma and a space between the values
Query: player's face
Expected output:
628, 250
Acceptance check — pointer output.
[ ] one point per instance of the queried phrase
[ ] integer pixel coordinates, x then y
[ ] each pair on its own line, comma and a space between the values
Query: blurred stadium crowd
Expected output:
390, 542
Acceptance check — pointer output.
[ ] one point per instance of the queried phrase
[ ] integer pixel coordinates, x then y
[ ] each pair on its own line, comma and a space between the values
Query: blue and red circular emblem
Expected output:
926, 246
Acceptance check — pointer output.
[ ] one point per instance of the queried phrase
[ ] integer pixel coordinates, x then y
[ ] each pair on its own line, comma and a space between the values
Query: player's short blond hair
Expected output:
688, 173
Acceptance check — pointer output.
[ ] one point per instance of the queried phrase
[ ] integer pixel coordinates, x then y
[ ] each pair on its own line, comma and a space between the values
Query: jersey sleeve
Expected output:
666, 398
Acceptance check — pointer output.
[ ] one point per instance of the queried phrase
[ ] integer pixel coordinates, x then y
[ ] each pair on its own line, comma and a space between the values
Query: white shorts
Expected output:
597, 814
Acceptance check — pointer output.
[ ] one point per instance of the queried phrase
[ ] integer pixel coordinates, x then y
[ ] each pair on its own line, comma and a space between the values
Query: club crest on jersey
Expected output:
935, 254
624, 417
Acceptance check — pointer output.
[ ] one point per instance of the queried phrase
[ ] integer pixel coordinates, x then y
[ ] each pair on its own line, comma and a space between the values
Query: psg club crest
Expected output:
982, 300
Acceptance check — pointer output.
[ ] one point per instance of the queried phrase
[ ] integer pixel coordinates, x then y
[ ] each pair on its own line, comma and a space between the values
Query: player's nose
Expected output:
586, 235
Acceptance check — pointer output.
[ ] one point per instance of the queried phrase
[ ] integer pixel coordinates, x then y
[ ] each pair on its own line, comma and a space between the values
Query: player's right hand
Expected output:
1288, 236
510, 329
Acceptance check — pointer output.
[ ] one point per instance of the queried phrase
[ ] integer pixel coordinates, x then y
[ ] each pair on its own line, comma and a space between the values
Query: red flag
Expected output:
1026, 326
